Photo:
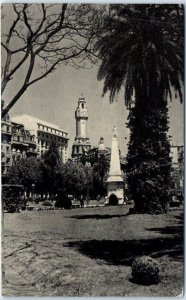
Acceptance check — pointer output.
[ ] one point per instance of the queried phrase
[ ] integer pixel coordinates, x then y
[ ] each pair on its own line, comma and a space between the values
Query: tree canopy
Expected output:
26, 172
142, 47
142, 52
38, 38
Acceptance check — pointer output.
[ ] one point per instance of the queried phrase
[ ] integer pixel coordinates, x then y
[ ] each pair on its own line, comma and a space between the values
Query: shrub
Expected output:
47, 203
64, 202
12, 197
145, 270
174, 203
131, 210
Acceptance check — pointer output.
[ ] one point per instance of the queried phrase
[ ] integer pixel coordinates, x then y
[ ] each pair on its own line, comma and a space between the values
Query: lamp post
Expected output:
33, 190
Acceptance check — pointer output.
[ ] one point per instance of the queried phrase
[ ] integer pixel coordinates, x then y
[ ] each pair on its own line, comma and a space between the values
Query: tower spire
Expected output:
81, 143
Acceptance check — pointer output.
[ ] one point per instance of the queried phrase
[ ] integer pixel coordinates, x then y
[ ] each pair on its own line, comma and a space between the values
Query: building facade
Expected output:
23, 142
177, 155
45, 133
81, 143
6, 138
16, 143
24, 136
96, 152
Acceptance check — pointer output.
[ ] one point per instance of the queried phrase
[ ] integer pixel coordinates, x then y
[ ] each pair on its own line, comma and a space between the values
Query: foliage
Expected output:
148, 159
52, 170
100, 169
174, 203
52, 157
142, 51
26, 172
38, 38
145, 270
63, 201
12, 197
75, 179
47, 203
152, 31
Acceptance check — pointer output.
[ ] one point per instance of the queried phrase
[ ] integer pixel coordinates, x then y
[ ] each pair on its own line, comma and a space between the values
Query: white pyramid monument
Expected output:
115, 181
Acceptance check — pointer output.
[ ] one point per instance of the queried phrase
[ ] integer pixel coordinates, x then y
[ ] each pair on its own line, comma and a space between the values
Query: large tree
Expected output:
38, 38
76, 179
52, 170
100, 169
25, 172
142, 51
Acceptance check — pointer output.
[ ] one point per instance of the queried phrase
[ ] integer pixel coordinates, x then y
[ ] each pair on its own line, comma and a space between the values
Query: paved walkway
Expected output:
15, 283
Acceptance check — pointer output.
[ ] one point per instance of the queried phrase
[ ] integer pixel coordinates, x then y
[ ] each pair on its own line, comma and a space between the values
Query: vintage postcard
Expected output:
92, 149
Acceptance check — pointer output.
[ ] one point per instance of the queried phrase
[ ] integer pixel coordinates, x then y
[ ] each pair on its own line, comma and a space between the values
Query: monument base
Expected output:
115, 187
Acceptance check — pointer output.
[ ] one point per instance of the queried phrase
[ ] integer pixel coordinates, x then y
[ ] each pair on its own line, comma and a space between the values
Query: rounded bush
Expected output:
47, 203
64, 202
145, 270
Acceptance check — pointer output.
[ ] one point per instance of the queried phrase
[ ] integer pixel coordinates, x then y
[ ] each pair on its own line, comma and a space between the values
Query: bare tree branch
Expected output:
48, 36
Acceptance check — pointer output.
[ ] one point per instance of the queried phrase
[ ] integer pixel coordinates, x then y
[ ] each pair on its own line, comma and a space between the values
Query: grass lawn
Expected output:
88, 252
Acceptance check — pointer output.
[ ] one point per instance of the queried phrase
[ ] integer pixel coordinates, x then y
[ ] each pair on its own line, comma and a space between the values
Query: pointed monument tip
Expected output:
115, 134
81, 97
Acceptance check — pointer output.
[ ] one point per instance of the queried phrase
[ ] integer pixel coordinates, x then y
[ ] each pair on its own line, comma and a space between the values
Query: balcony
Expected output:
31, 151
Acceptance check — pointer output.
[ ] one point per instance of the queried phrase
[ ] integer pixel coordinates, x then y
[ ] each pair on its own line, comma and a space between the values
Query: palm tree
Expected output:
101, 168
51, 160
52, 156
142, 51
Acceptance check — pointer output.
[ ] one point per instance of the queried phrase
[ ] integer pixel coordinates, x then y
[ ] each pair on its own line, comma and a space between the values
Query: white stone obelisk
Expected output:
115, 184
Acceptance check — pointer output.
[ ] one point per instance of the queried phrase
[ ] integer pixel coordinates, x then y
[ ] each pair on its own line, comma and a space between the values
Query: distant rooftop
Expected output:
30, 122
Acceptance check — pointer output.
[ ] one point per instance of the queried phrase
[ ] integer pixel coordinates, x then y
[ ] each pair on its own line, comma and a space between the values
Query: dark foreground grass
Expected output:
89, 252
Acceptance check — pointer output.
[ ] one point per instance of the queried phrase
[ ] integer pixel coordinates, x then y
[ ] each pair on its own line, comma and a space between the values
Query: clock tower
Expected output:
81, 143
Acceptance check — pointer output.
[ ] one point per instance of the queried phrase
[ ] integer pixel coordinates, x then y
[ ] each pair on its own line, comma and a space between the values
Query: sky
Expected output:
55, 98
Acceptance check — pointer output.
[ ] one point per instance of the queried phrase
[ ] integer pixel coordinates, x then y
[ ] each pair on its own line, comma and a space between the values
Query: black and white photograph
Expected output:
92, 149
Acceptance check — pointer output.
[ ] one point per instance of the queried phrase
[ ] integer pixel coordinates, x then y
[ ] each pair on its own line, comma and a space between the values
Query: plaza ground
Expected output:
89, 252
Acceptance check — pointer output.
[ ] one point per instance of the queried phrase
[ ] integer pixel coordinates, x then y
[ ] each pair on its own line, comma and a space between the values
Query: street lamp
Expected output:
33, 190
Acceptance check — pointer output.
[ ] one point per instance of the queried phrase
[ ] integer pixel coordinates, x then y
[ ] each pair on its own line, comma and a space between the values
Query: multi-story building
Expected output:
44, 133
23, 142
6, 135
81, 143
177, 155
96, 152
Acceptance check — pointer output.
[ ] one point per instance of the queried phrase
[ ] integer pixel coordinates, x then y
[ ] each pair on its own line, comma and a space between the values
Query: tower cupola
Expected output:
81, 143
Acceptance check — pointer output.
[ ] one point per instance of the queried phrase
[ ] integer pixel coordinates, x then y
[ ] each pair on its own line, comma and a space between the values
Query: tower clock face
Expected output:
82, 113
